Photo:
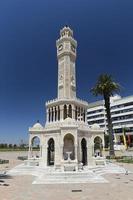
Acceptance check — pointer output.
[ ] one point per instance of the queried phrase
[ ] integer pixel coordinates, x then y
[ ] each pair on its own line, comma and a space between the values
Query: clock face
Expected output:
73, 48
60, 47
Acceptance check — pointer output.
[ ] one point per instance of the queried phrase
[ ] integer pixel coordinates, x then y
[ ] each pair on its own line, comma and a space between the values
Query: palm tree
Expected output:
106, 87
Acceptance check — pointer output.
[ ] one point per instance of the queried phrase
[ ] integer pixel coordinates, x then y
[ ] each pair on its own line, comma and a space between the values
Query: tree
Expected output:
5, 145
14, 146
106, 87
10, 145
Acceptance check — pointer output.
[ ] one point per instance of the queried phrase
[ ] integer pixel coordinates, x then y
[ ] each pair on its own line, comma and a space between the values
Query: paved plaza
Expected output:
118, 186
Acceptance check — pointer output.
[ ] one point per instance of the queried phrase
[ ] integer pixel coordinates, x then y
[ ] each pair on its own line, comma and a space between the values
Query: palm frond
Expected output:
105, 86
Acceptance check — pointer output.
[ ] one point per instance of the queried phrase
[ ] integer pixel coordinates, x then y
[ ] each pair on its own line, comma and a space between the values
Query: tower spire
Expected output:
66, 55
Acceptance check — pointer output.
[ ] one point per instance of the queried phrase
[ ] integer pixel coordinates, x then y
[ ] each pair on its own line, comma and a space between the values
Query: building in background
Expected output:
121, 114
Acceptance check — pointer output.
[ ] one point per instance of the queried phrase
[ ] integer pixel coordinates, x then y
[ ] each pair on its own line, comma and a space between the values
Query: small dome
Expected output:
37, 126
95, 127
69, 121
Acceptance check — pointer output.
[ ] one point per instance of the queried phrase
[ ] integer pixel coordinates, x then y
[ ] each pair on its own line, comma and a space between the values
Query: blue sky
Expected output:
28, 32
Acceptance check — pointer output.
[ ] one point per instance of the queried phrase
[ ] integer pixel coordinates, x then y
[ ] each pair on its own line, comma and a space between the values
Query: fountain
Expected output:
69, 164
68, 154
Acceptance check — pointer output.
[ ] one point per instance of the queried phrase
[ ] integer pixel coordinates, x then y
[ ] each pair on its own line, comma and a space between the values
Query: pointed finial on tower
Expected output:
66, 31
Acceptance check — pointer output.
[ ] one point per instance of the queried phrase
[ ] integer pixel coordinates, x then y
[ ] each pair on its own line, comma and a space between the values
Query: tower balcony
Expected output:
75, 101
60, 109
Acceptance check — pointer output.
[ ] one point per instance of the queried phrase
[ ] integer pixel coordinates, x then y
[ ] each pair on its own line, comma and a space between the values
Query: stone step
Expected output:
57, 180
66, 176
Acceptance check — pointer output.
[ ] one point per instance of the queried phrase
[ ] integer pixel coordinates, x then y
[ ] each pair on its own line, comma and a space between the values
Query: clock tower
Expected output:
66, 55
66, 104
66, 139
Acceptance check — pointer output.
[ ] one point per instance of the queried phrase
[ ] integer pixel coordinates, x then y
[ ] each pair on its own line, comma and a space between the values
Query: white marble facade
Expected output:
66, 139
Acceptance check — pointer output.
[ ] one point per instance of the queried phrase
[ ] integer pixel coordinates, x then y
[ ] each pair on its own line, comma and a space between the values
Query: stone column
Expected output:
76, 156
93, 153
61, 152
57, 153
73, 112
47, 113
79, 151
61, 157
53, 114
44, 154
76, 153
40, 153
61, 112
90, 159
29, 152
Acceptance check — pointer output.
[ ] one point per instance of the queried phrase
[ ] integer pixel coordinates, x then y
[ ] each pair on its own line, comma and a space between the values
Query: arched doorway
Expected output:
98, 146
68, 147
84, 151
35, 147
50, 150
